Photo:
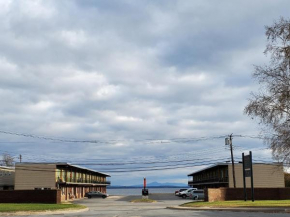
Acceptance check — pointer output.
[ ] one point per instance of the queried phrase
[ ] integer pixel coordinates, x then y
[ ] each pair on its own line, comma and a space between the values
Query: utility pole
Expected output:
20, 158
229, 141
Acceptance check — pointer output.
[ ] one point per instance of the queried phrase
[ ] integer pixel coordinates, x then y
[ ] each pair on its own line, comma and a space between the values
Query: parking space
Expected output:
120, 206
158, 197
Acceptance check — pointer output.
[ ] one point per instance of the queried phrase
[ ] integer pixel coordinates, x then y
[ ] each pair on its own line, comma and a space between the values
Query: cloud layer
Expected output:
129, 70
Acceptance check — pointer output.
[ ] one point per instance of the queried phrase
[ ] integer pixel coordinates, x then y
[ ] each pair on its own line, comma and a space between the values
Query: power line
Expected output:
251, 136
183, 155
188, 156
33, 168
113, 162
179, 164
124, 170
113, 141
180, 140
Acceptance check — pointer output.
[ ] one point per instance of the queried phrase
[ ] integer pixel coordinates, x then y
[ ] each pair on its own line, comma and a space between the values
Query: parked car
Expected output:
186, 193
180, 190
196, 195
95, 194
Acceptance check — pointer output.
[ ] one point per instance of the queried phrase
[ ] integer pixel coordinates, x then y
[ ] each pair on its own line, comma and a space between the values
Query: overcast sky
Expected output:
131, 71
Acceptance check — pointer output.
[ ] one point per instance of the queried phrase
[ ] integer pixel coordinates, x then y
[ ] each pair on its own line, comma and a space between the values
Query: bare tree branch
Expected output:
272, 104
7, 160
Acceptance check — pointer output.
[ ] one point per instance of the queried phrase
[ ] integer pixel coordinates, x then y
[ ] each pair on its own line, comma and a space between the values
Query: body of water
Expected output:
138, 191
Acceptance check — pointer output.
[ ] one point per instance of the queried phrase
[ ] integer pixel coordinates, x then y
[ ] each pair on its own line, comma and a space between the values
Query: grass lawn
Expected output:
240, 203
18, 207
143, 201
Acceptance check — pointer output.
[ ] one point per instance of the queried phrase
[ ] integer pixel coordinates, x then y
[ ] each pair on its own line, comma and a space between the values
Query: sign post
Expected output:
252, 179
244, 178
248, 172
144, 190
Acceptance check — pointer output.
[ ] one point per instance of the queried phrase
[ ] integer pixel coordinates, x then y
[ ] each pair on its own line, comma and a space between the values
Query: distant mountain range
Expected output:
152, 185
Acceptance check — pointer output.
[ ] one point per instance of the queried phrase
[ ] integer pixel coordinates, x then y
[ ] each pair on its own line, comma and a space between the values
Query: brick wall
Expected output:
222, 194
30, 196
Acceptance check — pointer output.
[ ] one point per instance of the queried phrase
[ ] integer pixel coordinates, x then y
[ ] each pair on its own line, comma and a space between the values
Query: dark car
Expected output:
96, 194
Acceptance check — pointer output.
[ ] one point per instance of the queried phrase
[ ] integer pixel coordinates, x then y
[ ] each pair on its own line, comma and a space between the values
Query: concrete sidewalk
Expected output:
231, 209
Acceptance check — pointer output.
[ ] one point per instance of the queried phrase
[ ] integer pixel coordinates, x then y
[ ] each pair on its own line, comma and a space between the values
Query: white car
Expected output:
186, 193
196, 195
180, 190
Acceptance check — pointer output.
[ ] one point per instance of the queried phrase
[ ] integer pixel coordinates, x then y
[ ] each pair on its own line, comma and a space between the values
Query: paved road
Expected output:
117, 206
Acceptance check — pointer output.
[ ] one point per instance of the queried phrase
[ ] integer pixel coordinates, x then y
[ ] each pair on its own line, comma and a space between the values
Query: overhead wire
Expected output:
112, 162
112, 141
35, 168
184, 155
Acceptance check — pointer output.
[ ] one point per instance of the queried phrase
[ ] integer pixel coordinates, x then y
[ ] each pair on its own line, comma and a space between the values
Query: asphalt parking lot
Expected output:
120, 206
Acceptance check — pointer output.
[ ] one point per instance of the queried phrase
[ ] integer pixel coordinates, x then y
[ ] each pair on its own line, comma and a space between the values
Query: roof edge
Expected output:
65, 163
223, 164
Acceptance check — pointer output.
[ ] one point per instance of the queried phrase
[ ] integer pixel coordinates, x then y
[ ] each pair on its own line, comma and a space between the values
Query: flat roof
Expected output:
7, 168
66, 164
226, 164
209, 167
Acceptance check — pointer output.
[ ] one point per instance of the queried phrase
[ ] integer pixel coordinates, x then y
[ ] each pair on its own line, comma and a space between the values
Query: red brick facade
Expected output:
223, 194
77, 192
30, 196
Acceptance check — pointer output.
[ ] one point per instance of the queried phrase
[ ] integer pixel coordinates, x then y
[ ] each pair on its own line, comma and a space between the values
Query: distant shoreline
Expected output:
129, 187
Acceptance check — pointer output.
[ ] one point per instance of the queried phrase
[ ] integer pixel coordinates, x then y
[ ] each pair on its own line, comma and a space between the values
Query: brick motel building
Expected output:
73, 181
7, 175
217, 181
220, 175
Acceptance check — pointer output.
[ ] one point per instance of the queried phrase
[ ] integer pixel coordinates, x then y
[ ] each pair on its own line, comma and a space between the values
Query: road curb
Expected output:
246, 209
57, 212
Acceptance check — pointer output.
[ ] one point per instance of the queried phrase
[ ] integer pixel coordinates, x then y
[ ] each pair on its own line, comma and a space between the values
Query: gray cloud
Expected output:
130, 70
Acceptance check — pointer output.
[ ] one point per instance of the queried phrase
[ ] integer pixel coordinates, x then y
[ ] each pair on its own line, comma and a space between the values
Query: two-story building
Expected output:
73, 181
7, 176
220, 175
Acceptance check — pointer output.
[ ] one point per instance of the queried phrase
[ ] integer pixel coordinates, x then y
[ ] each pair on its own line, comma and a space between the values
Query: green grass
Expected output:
32, 207
143, 201
240, 203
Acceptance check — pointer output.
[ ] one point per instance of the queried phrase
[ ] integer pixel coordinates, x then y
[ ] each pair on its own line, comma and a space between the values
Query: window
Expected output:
63, 177
42, 188
57, 175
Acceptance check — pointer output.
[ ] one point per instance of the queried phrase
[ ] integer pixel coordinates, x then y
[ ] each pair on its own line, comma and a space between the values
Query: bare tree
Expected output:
271, 105
7, 160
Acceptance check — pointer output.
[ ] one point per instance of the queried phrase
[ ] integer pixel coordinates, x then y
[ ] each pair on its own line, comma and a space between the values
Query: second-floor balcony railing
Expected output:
102, 182
84, 181
207, 180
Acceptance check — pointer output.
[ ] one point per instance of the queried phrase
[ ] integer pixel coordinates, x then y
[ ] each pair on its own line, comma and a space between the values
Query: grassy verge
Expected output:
240, 203
33, 207
143, 201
